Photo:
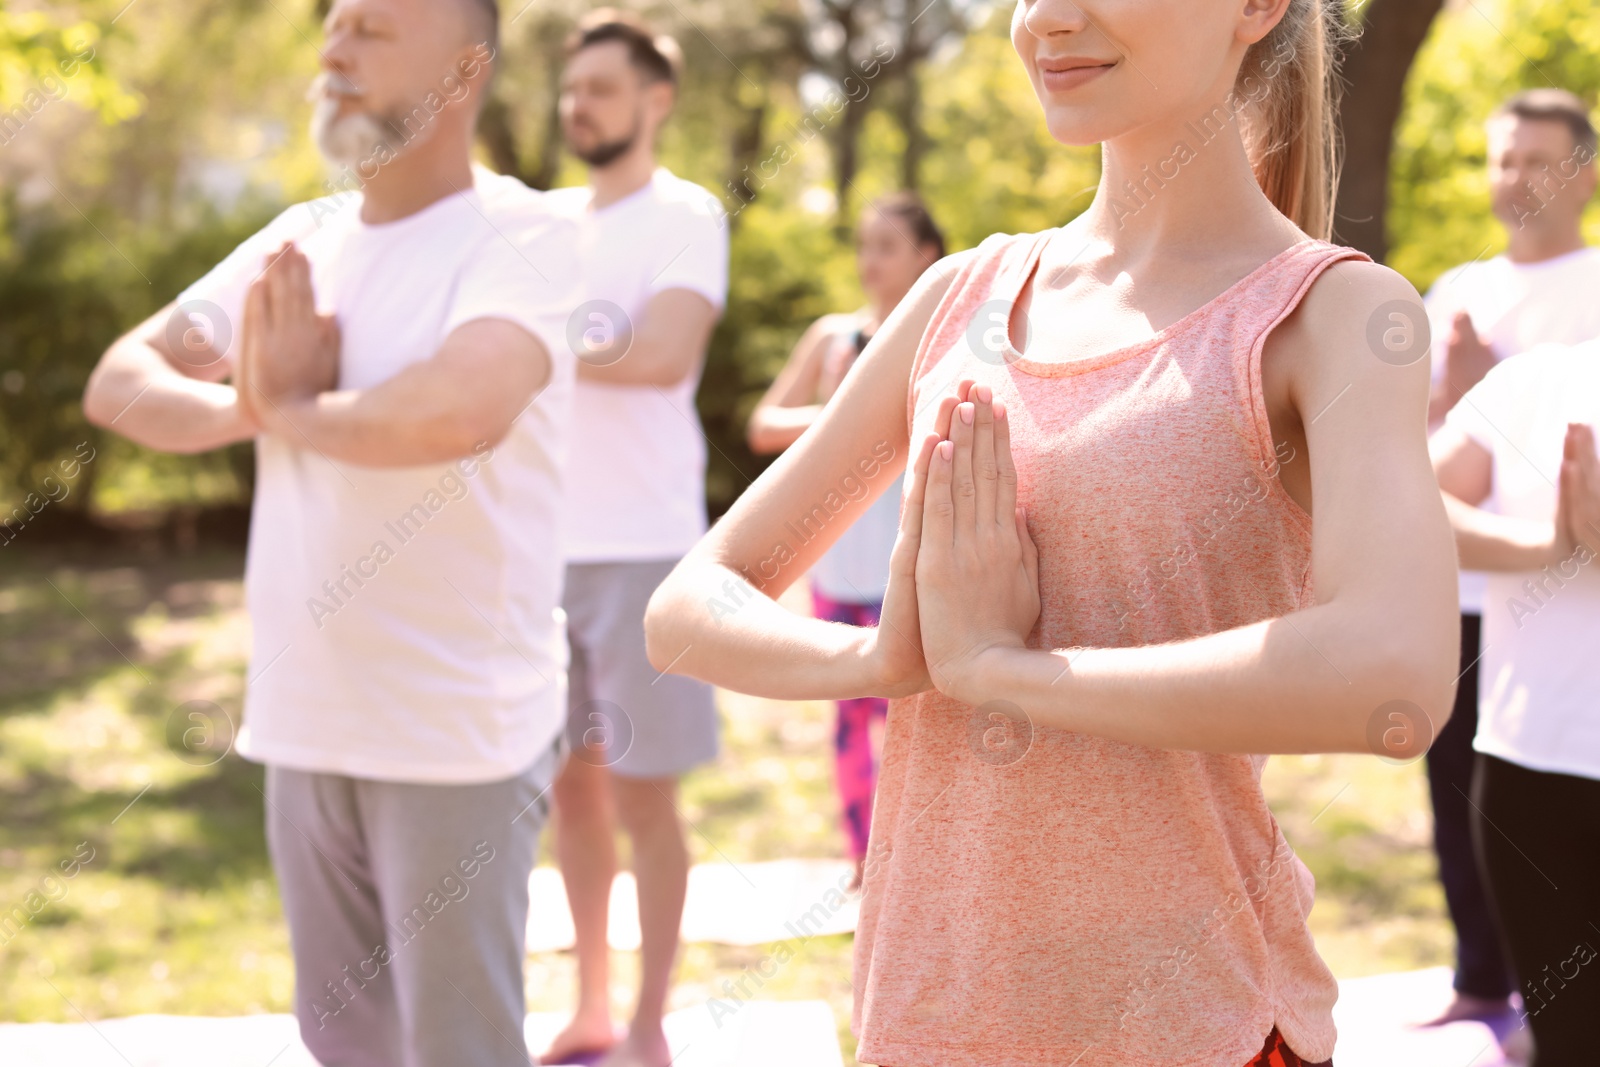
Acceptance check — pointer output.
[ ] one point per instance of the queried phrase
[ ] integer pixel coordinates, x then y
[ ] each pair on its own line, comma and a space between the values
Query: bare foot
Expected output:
640, 1050
1466, 1006
584, 1034
1518, 1046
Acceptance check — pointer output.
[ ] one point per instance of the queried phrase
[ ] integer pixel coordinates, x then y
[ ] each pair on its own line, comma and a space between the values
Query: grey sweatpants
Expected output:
408, 910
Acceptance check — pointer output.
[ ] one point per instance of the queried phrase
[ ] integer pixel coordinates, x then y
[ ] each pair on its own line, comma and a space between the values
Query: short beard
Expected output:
349, 141
608, 152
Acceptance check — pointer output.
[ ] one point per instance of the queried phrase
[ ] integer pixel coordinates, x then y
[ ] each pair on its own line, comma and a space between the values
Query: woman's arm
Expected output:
789, 406
715, 616
1382, 638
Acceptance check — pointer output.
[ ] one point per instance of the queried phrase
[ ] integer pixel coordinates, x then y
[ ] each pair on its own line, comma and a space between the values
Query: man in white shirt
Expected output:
1542, 171
1526, 433
654, 277
398, 354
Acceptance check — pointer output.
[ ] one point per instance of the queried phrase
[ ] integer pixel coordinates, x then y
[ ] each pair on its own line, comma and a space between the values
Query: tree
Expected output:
1375, 65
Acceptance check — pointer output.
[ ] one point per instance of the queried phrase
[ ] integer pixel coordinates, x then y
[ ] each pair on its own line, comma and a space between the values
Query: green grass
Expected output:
178, 911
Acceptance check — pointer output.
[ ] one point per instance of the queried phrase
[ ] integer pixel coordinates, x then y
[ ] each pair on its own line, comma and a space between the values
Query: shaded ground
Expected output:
119, 675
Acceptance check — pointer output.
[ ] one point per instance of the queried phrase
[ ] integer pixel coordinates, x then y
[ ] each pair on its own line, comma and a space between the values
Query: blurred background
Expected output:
181, 129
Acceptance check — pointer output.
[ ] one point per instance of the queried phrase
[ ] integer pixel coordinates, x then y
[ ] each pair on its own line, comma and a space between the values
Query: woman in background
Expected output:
896, 241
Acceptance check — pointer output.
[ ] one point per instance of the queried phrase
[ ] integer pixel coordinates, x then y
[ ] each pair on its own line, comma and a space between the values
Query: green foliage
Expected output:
42, 61
67, 290
787, 271
157, 163
1476, 55
995, 168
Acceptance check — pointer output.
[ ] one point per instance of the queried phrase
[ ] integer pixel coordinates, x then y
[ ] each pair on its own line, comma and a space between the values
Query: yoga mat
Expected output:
1377, 1019
1376, 1016
727, 903
771, 1033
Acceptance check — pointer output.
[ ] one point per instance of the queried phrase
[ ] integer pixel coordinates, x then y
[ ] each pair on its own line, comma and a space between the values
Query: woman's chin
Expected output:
1074, 134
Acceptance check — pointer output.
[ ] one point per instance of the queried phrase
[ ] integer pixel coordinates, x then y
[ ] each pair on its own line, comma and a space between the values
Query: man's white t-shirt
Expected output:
1516, 306
1540, 704
406, 621
637, 468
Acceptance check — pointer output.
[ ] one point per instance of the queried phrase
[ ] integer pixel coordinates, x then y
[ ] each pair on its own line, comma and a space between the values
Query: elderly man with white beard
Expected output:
399, 357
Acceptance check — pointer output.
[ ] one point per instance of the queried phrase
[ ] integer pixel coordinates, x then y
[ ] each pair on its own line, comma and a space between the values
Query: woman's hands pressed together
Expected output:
897, 640
977, 568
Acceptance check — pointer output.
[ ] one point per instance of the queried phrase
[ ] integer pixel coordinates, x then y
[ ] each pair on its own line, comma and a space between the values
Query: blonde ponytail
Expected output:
1289, 118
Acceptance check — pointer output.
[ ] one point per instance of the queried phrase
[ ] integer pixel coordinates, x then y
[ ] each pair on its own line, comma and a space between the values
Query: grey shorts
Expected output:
621, 712
408, 912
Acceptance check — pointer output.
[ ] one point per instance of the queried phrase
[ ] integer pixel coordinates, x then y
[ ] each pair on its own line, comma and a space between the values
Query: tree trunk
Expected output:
847, 160
744, 156
909, 113
543, 175
847, 135
494, 130
1374, 67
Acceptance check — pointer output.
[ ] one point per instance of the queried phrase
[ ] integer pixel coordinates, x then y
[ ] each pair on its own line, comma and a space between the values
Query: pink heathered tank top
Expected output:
1042, 898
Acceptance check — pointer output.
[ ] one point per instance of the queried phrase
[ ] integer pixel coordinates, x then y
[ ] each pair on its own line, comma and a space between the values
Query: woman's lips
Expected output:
1063, 77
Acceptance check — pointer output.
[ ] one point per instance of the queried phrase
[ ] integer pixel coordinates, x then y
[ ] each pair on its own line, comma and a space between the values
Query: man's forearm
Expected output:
367, 429
649, 361
138, 394
1489, 542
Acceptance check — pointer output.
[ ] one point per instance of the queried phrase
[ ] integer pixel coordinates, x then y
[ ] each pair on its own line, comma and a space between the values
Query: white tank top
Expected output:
856, 569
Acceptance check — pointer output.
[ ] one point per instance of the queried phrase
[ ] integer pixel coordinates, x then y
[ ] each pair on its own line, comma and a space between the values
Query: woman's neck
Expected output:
1183, 188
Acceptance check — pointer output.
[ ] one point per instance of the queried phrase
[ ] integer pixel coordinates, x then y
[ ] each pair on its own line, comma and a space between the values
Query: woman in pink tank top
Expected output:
1109, 601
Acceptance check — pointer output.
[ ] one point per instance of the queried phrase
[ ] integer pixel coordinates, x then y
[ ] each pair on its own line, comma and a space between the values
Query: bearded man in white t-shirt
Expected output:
654, 277
397, 352
1542, 172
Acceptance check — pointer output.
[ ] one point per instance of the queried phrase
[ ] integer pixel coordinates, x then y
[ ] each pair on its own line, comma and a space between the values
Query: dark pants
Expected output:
1539, 836
1481, 966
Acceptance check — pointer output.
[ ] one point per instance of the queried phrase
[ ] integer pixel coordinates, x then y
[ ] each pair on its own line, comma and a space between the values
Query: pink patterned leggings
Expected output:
855, 769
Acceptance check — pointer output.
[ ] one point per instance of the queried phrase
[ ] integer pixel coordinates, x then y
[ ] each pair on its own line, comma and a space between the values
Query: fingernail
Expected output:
946, 449
965, 411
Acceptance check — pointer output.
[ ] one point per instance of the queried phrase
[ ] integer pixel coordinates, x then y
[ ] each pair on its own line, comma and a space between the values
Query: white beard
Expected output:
349, 141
